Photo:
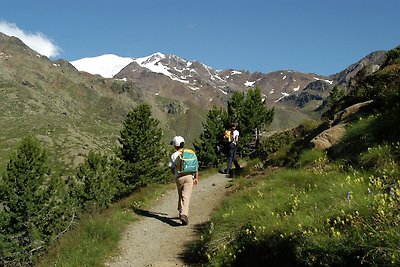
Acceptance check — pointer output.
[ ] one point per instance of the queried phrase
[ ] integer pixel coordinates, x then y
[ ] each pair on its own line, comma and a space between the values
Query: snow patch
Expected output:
328, 81
225, 93
235, 72
284, 94
296, 88
249, 84
193, 88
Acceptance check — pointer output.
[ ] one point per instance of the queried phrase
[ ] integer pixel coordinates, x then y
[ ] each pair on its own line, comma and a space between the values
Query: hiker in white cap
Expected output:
184, 181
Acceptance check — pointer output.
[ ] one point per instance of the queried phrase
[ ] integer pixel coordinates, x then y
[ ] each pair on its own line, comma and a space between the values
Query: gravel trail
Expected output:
158, 239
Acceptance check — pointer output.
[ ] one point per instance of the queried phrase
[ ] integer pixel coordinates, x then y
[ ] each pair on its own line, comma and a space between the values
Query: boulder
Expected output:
329, 137
348, 113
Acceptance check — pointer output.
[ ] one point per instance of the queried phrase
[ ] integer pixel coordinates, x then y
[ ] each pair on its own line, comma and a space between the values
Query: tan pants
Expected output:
184, 184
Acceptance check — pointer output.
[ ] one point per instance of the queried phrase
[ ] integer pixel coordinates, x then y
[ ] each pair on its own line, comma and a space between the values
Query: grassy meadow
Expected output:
318, 215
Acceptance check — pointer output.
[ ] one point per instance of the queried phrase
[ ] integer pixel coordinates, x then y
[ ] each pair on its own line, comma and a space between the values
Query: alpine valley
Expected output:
74, 107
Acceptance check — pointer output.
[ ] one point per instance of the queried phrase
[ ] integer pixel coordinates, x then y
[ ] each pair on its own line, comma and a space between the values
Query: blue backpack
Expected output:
187, 162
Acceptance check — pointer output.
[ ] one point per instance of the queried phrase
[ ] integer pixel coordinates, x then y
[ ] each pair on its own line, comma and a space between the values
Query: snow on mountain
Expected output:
154, 64
196, 75
175, 68
106, 65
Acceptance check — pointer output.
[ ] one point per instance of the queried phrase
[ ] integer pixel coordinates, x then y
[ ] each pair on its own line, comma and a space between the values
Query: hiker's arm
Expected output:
196, 178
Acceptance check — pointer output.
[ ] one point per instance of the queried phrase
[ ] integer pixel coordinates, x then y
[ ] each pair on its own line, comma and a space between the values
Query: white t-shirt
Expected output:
235, 134
173, 161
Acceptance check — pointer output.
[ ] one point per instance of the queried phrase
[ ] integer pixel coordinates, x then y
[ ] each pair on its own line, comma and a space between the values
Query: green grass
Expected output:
312, 157
303, 217
285, 118
368, 132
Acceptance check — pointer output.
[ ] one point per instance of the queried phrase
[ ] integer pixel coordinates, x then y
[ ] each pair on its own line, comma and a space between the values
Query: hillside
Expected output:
70, 111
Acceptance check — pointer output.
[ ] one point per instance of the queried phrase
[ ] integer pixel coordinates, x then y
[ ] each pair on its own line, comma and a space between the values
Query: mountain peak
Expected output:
150, 60
105, 65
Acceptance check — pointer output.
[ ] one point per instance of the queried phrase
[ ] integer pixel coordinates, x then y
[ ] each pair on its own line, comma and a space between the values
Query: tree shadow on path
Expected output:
172, 221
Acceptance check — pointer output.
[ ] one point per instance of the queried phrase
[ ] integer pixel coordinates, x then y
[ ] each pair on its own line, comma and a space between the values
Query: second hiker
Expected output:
233, 139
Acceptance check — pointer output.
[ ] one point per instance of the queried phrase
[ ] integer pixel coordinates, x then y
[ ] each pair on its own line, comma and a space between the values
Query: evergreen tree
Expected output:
235, 108
35, 205
335, 95
97, 182
142, 150
255, 117
210, 147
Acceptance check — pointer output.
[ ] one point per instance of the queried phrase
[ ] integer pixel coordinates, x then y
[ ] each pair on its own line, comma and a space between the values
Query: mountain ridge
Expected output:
195, 76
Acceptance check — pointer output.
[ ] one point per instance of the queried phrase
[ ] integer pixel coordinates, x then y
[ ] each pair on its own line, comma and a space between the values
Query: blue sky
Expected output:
318, 36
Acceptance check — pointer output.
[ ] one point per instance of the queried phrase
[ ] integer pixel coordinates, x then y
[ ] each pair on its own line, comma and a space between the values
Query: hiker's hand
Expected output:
196, 179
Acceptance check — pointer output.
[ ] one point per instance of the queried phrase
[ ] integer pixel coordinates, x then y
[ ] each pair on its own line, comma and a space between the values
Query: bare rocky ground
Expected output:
158, 239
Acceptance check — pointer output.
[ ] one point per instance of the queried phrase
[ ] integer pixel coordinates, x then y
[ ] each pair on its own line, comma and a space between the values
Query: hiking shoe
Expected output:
222, 171
184, 219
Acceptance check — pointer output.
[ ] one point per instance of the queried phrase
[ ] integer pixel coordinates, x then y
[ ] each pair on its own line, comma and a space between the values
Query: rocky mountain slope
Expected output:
162, 74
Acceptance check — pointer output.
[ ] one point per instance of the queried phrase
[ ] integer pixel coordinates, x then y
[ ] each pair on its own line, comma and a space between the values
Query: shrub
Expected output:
272, 149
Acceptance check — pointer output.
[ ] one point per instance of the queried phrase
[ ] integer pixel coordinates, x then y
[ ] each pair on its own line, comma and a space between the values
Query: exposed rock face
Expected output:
348, 113
332, 135
302, 99
318, 86
329, 137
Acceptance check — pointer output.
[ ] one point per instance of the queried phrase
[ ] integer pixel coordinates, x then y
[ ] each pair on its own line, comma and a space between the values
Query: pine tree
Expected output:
335, 95
210, 147
142, 150
36, 206
255, 117
235, 108
97, 182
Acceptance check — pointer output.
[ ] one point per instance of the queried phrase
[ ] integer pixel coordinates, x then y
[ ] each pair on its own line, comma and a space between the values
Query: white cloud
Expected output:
36, 41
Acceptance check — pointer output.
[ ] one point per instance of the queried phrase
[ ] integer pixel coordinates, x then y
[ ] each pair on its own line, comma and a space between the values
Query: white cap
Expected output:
177, 141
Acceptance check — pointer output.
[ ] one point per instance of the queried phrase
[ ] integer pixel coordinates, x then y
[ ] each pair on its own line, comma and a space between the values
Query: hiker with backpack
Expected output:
231, 136
184, 166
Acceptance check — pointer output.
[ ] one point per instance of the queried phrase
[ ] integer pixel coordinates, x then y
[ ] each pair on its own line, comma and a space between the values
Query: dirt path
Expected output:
158, 239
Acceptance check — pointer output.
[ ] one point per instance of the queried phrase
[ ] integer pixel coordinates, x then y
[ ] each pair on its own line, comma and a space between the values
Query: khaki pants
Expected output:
184, 184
